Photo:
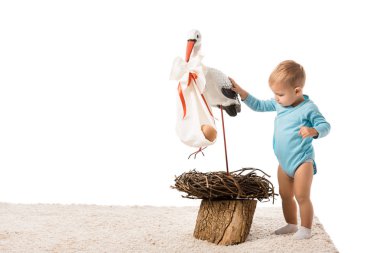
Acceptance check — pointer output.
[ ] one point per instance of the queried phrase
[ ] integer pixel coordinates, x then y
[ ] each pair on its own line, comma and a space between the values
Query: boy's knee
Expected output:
302, 198
286, 196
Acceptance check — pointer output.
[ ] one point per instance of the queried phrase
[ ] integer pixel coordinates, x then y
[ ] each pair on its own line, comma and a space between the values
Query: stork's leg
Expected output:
196, 152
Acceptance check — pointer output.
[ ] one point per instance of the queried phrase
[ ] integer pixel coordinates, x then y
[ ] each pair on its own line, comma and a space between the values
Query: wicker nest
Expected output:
239, 184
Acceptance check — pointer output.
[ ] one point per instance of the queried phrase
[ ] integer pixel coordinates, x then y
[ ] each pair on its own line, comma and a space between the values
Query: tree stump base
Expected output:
224, 222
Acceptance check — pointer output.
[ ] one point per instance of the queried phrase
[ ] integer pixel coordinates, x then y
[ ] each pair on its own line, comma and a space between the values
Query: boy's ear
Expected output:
297, 90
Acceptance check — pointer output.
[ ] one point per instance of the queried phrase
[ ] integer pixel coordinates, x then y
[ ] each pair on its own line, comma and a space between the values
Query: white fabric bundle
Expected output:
197, 112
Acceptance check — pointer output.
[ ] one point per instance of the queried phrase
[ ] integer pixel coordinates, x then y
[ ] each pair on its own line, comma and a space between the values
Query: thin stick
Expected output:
225, 144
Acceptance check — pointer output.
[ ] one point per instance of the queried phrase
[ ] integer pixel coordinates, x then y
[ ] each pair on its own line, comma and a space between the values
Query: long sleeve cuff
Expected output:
323, 130
247, 98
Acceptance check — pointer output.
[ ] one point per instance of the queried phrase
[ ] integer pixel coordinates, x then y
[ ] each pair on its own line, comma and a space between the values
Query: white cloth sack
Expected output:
188, 128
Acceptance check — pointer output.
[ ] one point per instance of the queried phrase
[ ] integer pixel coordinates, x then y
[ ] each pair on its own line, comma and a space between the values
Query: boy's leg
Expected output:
302, 186
289, 206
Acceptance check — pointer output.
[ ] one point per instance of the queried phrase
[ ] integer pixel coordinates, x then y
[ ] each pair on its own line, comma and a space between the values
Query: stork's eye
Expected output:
197, 36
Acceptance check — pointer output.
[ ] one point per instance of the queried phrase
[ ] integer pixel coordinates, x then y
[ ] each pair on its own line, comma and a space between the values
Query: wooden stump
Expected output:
224, 222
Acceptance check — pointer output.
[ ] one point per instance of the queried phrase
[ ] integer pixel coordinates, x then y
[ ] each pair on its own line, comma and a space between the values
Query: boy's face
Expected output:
286, 95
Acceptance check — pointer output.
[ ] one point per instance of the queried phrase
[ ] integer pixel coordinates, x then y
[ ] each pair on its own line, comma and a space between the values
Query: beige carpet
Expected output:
91, 228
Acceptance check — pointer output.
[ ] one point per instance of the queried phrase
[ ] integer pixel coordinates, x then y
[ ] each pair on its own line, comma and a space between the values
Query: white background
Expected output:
87, 112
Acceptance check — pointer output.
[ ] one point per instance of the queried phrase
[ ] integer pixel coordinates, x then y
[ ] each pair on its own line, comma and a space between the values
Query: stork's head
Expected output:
194, 40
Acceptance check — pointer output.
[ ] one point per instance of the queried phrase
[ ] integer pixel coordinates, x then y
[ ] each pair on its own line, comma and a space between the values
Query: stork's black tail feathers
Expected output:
229, 93
234, 109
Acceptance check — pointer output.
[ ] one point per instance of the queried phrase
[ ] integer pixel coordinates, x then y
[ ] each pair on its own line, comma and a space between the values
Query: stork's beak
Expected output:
189, 49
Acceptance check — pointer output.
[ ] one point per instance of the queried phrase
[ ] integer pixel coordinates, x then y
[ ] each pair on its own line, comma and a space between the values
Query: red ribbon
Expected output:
192, 77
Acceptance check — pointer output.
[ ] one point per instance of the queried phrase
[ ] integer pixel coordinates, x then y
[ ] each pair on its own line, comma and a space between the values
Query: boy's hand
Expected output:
239, 90
307, 132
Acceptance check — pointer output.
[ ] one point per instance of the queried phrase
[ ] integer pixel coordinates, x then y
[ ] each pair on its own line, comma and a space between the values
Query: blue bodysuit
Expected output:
289, 147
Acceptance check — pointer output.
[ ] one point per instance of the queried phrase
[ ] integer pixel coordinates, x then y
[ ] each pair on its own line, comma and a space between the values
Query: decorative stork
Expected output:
218, 90
199, 88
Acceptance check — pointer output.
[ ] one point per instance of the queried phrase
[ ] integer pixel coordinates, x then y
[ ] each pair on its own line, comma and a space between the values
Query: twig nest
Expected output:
239, 184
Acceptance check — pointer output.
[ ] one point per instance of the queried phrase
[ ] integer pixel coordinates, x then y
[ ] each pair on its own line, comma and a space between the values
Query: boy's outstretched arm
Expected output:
239, 90
252, 102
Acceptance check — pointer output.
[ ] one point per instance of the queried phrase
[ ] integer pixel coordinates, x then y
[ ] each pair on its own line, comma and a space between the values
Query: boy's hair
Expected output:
289, 73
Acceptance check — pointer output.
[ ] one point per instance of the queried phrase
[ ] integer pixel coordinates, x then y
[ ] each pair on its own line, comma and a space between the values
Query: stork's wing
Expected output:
229, 93
218, 92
